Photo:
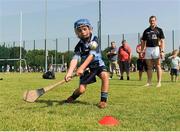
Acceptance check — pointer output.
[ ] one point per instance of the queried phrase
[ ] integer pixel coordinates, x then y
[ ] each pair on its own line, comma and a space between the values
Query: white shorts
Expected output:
152, 53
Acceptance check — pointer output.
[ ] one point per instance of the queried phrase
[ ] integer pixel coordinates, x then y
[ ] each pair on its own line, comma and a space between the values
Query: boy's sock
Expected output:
104, 96
75, 95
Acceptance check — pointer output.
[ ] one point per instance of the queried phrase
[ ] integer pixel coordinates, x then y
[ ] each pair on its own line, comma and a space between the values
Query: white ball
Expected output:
93, 45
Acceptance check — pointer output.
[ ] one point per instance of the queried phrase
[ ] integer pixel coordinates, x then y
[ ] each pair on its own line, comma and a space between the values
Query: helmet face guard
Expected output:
82, 22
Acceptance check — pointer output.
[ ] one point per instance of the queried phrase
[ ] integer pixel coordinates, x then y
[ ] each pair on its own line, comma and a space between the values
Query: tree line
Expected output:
34, 58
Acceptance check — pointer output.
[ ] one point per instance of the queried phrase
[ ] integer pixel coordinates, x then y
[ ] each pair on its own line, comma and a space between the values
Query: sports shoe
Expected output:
128, 78
121, 78
69, 100
102, 104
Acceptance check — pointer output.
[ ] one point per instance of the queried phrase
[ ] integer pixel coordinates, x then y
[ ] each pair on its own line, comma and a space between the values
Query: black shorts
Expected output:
174, 72
141, 65
124, 66
89, 76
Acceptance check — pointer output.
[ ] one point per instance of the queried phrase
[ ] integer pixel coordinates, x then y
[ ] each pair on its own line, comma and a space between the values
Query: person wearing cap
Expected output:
124, 56
153, 43
91, 63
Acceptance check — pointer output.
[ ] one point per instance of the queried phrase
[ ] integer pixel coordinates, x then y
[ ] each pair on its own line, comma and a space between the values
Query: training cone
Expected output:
108, 121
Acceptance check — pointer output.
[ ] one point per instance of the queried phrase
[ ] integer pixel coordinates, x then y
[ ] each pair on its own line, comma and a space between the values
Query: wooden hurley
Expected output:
33, 95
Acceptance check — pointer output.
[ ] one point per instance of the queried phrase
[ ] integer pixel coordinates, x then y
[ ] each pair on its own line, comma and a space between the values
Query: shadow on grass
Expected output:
62, 102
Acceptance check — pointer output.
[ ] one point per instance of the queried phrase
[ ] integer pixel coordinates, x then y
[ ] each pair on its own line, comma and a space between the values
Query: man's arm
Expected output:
161, 46
130, 54
112, 53
143, 45
162, 43
84, 65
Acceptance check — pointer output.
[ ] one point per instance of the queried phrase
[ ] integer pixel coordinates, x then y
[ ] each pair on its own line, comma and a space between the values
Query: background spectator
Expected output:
112, 55
124, 55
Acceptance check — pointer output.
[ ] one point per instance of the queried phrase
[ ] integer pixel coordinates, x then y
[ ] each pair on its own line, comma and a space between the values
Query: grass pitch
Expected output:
137, 108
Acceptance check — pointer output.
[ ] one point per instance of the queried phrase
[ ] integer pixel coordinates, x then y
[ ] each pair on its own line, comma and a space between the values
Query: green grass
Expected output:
137, 108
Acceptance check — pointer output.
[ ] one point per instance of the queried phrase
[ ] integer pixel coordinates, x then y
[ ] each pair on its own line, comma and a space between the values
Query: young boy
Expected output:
90, 59
175, 65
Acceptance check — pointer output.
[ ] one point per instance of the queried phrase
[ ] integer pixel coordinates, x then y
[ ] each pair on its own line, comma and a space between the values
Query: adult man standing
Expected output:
153, 40
112, 56
124, 55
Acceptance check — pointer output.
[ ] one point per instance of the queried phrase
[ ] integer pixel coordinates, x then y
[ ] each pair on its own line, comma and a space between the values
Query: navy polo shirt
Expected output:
152, 36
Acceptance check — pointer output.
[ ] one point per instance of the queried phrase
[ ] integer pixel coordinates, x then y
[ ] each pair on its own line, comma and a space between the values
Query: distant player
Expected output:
175, 65
91, 63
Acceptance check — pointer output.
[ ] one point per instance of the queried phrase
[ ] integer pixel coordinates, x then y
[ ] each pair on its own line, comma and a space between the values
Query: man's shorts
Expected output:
152, 53
141, 65
174, 72
89, 76
124, 66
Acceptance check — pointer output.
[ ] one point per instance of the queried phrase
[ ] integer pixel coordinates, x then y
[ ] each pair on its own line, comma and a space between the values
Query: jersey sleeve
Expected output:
161, 35
144, 37
77, 53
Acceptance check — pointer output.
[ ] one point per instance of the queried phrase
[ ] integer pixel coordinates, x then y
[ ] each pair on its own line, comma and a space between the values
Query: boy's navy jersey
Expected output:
152, 36
82, 50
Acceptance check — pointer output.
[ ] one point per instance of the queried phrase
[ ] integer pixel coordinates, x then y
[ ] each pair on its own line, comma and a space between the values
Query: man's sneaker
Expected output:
69, 100
128, 78
102, 105
121, 78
